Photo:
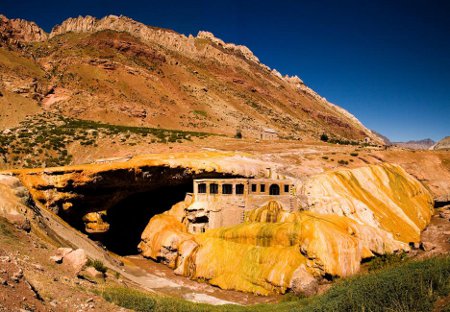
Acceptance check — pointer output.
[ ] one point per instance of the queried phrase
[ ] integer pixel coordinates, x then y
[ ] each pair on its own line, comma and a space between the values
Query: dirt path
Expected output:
436, 237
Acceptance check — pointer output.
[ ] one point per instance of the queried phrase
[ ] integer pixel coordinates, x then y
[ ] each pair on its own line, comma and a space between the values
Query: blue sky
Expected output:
387, 62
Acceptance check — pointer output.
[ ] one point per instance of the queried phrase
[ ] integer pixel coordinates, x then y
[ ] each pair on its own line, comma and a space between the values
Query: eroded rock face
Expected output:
382, 196
13, 199
274, 250
351, 215
19, 30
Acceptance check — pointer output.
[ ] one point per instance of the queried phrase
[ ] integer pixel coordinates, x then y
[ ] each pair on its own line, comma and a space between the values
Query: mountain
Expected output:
383, 137
119, 71
418, 144
443, 144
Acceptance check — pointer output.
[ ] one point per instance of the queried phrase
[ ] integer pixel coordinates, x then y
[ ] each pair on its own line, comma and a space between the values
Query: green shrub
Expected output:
387, 260
354, 154
129, 298
324, 137
325, 157
200, 112
414, 286
98, 265
342, 162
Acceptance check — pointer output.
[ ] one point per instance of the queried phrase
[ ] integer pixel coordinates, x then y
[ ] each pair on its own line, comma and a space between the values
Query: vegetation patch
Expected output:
43, 140
98, 265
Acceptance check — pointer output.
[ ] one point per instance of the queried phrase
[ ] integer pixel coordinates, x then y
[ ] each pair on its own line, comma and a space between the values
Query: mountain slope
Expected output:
416, 144
443, 144
119, 71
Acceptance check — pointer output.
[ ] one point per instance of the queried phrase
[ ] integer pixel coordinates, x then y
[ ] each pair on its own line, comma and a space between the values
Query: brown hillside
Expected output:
119, 71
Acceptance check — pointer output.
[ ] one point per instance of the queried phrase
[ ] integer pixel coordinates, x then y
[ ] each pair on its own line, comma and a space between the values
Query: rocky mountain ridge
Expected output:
416, 144
118, 70
18, 30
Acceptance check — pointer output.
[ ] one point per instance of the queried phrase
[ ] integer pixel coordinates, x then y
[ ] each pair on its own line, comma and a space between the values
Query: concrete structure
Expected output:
268, 134
224, 202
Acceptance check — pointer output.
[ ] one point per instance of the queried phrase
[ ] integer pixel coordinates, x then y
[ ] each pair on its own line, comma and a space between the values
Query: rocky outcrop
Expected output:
16, 31
381, 196
443, 144
243, 50
353, 215
13, 202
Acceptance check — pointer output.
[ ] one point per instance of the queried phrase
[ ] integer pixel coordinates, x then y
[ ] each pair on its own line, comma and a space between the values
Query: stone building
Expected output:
269, 134
224, 202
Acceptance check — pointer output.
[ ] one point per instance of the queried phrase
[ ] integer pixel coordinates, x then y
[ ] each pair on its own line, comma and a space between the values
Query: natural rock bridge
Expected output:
352, 214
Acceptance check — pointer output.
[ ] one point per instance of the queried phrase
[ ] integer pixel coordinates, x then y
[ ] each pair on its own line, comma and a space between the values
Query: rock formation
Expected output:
416, 144
351, 215
443, 144
17, 30
346, 216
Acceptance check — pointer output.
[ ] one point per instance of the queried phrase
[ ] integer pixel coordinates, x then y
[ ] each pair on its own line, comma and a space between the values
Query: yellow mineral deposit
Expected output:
351, 215
346, 215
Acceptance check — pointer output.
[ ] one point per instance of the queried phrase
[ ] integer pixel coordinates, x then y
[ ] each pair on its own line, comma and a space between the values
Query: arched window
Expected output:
274, 189
202, 188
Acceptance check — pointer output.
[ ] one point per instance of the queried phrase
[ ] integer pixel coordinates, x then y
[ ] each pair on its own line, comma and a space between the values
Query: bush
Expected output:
414, 286
354, 154
325, 157
324, 137
129, 298
98, 265
387, 260
342, 162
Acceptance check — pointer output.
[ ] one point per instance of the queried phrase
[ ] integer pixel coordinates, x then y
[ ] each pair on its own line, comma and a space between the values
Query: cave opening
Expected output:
129, 217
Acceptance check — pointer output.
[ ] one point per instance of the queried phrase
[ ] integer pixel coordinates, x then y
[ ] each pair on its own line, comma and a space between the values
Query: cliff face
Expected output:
117, 70
16, 31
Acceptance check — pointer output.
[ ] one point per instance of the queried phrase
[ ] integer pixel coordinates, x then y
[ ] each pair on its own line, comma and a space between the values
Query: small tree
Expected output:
324, 137
238, 134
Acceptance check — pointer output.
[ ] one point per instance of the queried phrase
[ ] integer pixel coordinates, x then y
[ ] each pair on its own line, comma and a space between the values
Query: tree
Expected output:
324, 137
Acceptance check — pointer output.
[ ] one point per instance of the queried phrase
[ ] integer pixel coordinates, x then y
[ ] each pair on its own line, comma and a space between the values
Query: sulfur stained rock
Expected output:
94, 222
381, 196
161, 239
275, 250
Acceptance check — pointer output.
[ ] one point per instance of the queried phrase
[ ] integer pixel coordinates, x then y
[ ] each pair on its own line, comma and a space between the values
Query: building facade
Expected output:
224, 202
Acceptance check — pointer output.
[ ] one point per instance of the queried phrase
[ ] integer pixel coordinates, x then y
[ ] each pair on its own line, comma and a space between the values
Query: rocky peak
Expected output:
17, 30
246, 52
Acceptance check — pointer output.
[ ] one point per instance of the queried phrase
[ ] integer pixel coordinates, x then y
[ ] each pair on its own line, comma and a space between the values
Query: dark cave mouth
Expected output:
129, 216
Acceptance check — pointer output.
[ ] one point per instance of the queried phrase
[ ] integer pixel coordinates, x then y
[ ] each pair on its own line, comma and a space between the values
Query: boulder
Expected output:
303, 283
60, 254
76, 259
90, 274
